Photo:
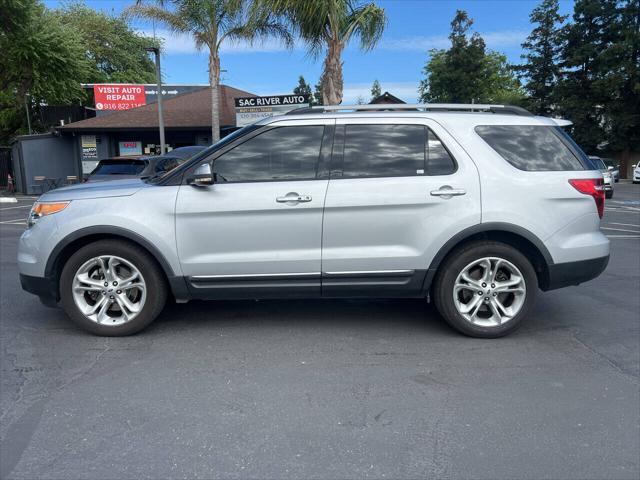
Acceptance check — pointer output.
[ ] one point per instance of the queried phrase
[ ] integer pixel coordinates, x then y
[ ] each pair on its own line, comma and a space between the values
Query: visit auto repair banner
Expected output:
119, 97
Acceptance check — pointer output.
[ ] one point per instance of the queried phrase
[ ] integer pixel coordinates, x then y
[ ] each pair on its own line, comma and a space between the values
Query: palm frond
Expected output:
172, 20
368, 22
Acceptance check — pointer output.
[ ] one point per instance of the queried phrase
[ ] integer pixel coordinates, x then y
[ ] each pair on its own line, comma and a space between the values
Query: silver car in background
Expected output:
607, 175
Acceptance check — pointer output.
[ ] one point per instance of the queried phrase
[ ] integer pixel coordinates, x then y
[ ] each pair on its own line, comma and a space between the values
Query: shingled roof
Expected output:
190, 110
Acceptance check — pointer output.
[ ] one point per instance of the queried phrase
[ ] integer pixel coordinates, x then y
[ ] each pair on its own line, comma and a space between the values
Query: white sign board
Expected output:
252, 109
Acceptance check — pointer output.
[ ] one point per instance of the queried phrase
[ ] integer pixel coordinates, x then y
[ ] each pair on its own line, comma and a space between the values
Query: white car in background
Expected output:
636, 174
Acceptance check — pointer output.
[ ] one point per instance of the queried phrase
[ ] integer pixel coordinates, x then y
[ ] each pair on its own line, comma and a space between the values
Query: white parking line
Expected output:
15, 221
624, 224
13, 208
620, 230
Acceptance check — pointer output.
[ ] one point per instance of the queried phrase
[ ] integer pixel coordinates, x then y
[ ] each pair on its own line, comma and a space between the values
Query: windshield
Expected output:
119, 167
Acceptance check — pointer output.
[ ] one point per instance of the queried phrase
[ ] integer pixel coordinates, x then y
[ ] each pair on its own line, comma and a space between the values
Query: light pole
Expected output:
156, 51
26, 107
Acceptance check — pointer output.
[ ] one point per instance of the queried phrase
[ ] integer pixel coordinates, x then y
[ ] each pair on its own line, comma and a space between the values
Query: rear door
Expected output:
399, 189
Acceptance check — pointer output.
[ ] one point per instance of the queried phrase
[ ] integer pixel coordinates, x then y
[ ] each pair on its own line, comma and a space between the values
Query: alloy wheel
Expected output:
109, 290
489, 292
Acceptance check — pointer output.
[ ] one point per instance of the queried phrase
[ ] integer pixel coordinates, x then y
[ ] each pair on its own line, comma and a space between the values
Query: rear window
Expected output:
534, 147
119, 167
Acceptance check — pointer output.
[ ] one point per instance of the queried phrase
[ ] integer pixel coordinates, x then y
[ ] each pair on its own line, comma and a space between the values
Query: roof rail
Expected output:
426, 107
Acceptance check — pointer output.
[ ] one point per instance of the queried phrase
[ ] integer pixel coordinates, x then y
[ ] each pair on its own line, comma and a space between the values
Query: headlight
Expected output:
42, 209
607, 174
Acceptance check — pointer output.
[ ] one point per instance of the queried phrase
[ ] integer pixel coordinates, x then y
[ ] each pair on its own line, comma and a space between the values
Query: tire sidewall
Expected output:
457, 262
155, 294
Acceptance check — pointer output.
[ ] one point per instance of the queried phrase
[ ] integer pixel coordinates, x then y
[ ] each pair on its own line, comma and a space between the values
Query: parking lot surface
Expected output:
328, 389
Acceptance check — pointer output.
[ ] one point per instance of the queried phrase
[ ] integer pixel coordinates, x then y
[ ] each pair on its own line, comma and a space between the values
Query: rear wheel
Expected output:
485, 289
112, 288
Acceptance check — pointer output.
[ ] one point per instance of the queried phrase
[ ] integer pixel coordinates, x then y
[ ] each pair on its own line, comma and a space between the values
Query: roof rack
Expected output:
426, 107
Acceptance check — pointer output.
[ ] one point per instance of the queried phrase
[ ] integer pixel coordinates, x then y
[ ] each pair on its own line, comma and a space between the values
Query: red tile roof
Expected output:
191, 110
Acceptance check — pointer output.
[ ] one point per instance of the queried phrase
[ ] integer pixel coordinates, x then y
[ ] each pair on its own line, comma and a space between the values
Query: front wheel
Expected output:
485, 289
609, 194
112, 288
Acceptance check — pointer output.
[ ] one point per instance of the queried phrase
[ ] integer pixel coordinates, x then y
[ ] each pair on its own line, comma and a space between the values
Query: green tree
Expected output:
211, 23
115, 51
303, 88
585, 88
623, 111
330, 25
318, 96
466, 72
376, 90
541, 68
41, 62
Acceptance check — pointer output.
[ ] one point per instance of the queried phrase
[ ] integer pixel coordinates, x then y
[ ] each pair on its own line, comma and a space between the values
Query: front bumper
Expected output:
573, 273
43, 287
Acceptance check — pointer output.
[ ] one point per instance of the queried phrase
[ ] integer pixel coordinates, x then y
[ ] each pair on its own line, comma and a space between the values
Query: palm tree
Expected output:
211, 23
331, 24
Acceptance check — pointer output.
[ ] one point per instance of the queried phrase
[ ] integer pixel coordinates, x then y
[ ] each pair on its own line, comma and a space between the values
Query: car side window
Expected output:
281, 153
383, 150
535, 148
439, 161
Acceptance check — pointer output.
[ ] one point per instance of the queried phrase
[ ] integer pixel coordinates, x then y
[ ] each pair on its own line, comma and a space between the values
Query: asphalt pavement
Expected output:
327, 389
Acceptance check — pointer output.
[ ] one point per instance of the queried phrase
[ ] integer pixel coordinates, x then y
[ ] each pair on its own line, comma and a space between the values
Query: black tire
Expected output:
608, 194
156, 287
456, 262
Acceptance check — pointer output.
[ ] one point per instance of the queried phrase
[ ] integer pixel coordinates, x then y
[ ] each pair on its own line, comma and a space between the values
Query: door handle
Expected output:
294, 198
447, 192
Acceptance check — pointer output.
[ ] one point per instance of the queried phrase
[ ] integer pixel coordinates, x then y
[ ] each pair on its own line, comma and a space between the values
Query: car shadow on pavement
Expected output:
349, 315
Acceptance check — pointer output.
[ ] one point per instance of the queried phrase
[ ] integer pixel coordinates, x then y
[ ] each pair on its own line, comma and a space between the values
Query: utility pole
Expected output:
156, 51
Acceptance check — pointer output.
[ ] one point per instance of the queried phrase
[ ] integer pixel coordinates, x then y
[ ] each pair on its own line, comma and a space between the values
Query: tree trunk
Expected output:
625, 160
332, 74
214, 80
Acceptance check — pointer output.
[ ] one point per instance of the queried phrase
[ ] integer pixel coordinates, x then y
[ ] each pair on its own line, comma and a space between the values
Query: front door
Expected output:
257, 231
399, 189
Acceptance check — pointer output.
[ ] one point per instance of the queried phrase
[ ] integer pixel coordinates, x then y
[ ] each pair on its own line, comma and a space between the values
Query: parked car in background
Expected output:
334, 201
118, 168
598, 164
613, 167
636, 174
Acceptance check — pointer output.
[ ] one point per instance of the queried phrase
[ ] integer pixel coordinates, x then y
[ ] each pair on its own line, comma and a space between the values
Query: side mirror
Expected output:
610, 167
201, 176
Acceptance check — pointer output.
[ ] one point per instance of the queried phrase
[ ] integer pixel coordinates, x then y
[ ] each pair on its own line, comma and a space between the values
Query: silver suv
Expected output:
473, 206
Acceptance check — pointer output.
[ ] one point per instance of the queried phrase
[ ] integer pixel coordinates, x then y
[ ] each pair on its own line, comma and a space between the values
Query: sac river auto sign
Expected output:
119, 97
252, 109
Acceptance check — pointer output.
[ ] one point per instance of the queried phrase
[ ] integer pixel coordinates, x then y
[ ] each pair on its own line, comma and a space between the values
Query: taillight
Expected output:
593, 187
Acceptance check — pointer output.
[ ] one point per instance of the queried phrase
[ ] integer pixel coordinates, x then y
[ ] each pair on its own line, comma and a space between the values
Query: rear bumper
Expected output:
574, 273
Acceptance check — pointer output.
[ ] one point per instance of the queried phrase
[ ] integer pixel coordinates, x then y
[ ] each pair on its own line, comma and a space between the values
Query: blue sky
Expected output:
414, 27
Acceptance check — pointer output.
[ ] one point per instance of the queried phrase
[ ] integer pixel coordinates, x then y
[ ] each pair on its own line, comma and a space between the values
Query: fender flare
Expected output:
478, 229
106, 230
